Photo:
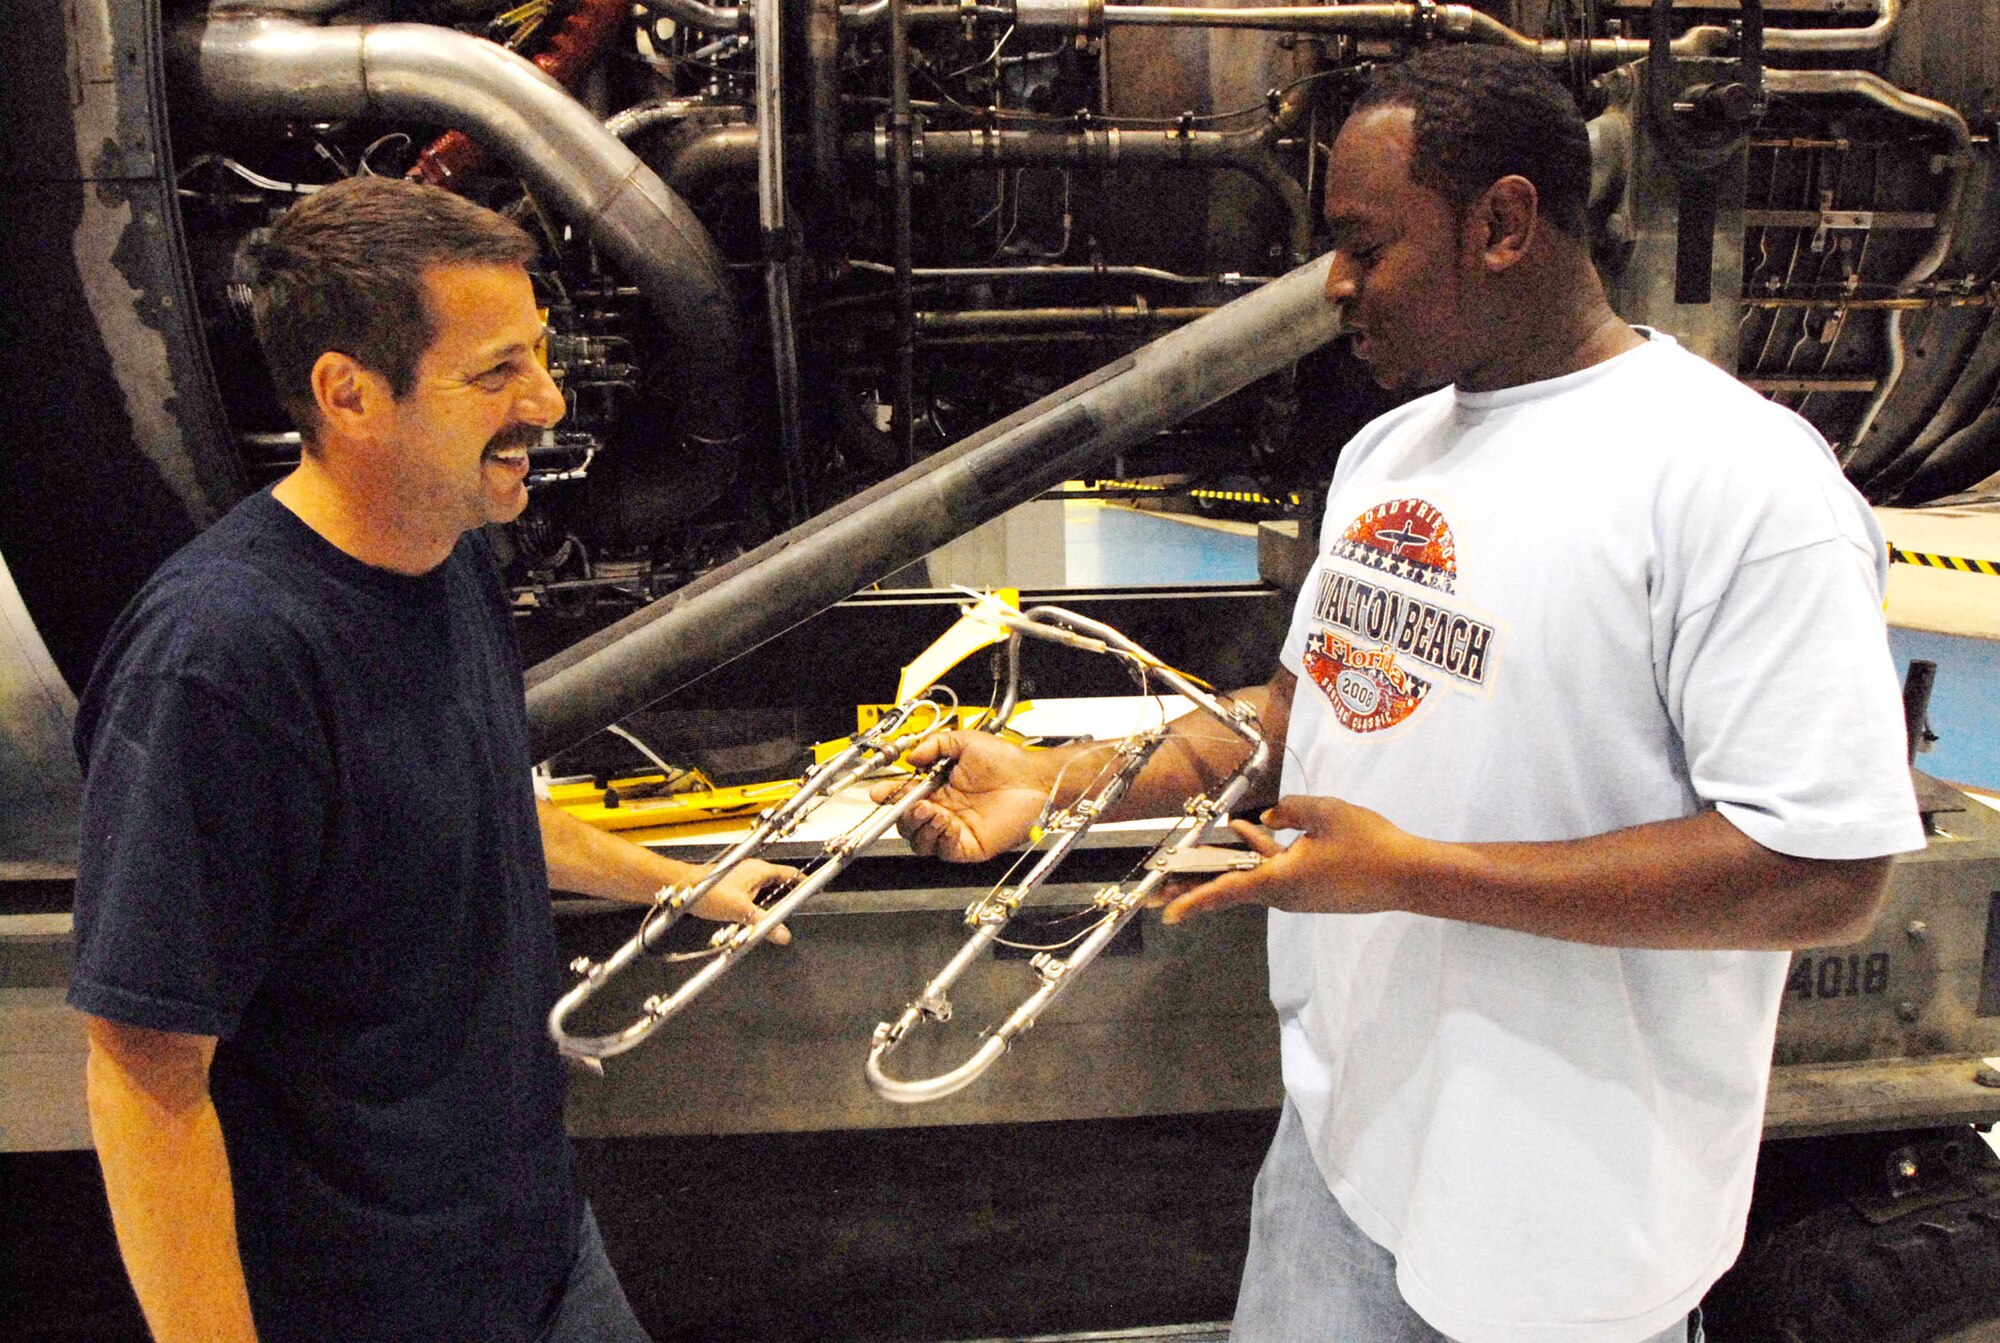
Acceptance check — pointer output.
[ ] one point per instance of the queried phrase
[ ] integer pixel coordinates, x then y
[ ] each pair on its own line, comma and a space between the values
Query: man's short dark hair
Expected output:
343, 270
1484, 113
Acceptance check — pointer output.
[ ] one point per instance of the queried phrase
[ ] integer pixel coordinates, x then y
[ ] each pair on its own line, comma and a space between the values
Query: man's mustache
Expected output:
515, 436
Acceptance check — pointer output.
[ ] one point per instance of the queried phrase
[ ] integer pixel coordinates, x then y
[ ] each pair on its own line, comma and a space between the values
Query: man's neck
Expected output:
360, 518
1557, 321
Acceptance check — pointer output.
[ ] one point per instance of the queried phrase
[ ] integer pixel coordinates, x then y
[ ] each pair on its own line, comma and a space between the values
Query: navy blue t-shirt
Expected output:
309, 830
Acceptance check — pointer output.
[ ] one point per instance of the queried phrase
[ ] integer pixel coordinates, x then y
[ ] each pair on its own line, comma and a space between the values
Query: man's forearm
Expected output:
1696, 882
1197, 756
1689, 883
166, 1174
586, 860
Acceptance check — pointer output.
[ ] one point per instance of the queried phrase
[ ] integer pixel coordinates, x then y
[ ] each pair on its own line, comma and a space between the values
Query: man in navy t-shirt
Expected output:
313, 932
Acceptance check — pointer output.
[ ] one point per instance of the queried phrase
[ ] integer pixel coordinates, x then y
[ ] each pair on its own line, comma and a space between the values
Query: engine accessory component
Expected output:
575, 48
866, 753
1117, 904
737, 606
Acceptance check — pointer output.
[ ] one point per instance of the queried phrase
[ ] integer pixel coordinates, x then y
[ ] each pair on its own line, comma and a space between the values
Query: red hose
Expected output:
570, 53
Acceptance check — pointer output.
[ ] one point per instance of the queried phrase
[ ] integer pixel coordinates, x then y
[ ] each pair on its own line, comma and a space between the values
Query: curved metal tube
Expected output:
1968, 391
274, 67
1119, 902
567, 56
867, 752
1862, 84
694, 165
708, 18
640, 118
1816, 40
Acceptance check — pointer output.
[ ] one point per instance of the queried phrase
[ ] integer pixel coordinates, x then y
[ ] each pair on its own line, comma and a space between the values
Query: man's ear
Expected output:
1505, 219
349, 396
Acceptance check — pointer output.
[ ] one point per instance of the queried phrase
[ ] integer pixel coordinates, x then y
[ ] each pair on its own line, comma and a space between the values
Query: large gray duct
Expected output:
733, 609
264, 66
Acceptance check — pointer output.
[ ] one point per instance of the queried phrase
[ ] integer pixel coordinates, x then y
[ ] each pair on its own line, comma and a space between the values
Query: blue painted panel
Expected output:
1119, 547
1965, 705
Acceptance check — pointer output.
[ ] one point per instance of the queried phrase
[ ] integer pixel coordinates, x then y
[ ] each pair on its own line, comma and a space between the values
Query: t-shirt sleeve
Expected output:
200, 823
1787, 703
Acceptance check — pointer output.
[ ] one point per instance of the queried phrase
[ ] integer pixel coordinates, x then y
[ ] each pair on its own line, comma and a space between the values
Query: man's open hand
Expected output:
1346, 860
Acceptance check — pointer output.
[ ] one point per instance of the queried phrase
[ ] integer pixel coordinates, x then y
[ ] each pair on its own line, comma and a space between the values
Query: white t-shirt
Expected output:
1546, 613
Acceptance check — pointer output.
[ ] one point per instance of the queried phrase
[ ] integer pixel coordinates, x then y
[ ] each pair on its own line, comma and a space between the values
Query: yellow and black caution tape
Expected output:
1227, 496
1958, 563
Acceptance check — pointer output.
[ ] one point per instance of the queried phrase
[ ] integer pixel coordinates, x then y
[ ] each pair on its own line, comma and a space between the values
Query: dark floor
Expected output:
902, 1236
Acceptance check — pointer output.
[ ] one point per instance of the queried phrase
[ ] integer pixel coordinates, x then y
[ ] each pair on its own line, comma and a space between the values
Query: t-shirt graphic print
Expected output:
1380, 646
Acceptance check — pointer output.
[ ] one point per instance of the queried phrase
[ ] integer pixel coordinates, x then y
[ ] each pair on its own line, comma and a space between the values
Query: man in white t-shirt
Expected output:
1586, 715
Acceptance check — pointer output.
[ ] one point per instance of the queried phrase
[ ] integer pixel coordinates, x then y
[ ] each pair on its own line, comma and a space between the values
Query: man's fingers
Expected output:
1225, 892
926, 752
1305, 814
1258, 837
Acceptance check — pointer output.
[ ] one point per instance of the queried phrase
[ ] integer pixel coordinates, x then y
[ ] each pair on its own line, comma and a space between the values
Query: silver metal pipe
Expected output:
969, 274
732, 609
743, 18
1874, 88
774, 219
640, 118
279, 68
1815, 40
707, 18
1417, 22
1054, 319
901, 245
695, 164
1610, 156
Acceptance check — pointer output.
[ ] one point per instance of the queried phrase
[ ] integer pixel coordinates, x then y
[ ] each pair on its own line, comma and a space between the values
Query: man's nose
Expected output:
542, 403
1340, 286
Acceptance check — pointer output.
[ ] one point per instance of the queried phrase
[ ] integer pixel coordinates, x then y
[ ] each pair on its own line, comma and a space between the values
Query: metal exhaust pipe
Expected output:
731, 610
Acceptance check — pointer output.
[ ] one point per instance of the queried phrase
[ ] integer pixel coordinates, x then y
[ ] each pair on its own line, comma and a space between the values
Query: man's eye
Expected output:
493, 379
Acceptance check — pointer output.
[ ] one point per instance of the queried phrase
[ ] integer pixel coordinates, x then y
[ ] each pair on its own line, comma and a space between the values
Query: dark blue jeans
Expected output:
593, 1308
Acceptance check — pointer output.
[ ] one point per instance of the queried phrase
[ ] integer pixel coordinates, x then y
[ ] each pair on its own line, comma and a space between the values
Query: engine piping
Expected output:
774, 222
1874, 88
572, 51
732, 609
264, 66
695, 163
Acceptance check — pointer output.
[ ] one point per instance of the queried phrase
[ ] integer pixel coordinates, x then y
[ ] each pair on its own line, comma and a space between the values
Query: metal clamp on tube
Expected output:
1116, 904
868, 751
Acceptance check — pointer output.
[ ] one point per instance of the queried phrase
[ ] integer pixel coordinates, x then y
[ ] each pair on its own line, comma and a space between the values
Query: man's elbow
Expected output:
169, 1071
1839, 902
